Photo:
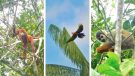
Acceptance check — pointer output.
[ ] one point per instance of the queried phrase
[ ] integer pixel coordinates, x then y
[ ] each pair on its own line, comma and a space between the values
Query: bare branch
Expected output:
118, 38
15, 43
15, 14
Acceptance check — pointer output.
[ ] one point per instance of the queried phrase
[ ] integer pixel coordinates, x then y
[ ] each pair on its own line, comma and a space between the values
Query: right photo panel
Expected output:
112, 38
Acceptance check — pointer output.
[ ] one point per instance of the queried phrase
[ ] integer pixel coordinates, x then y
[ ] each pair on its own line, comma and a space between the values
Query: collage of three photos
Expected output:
67, 38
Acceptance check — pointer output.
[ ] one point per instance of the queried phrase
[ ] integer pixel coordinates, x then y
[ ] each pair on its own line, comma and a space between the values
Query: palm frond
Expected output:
54, 32
60, 70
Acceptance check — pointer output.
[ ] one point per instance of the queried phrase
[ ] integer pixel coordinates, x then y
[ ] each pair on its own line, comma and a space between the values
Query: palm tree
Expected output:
70, 50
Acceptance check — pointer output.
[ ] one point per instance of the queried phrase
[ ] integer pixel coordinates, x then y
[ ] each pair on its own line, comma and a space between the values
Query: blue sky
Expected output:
66, 13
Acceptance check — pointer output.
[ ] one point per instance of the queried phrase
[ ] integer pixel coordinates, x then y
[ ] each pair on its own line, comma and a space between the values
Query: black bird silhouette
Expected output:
77, 33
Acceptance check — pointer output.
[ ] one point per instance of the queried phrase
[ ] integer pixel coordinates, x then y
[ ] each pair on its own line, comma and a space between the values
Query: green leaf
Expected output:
127, 66
133, 22
113, 4
108, 70
130, 10
108, 19
130, 1
113, 60
125, 54
95, 60
126, 25
132, 73
113, 56
95, 45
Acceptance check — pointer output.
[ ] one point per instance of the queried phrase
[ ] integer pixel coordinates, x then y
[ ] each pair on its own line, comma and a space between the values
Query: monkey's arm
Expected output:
105, 48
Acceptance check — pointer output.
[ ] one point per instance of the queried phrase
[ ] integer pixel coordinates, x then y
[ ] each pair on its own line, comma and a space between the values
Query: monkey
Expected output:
25, 39
76, 34
108, 40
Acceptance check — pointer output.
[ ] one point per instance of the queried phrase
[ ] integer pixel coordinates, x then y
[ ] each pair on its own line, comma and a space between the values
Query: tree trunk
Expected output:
118, 38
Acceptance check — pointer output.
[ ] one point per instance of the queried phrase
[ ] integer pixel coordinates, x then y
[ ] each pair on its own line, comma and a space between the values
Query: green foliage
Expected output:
29, 21
126, 25
112, 60
112, 66
129, 11
133, 22
127, 66
95, 45
95, 56
130, 25
108, 70
127, 53
54, 32
130, 1
95, 60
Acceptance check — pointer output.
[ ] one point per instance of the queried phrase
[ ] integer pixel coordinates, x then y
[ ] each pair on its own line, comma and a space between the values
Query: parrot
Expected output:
76, 34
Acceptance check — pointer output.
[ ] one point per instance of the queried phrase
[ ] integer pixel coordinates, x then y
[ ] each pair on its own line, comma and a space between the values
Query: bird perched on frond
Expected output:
76, 34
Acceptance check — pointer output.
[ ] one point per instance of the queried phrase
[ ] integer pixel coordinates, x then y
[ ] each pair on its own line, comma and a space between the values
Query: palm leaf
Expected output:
59, 70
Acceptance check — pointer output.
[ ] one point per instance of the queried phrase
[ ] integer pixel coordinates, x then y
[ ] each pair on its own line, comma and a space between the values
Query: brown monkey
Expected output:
25, 38
108, 41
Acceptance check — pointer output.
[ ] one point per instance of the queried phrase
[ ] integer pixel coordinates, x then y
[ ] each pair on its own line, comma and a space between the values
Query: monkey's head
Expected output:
100, 36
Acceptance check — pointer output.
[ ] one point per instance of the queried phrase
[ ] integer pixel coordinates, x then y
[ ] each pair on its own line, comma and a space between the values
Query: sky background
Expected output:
66, 13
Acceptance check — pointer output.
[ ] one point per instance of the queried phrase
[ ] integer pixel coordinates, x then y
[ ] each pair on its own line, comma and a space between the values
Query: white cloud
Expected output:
56, 9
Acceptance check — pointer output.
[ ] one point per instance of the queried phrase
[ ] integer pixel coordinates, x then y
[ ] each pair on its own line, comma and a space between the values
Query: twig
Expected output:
39, 46
4, 55
15, 43
105, 20
15, 14
5, 20
7, 53
102, 56
10, 66
38, 25
126, 9
34, 4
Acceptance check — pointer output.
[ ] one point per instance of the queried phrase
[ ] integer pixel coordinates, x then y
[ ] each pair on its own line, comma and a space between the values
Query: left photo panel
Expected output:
21, 37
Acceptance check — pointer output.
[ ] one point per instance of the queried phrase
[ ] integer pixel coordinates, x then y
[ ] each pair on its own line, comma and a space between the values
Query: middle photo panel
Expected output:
67, 38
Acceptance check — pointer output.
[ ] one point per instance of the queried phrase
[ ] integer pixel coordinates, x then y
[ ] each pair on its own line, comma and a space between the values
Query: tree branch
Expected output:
118, 38
16, 43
